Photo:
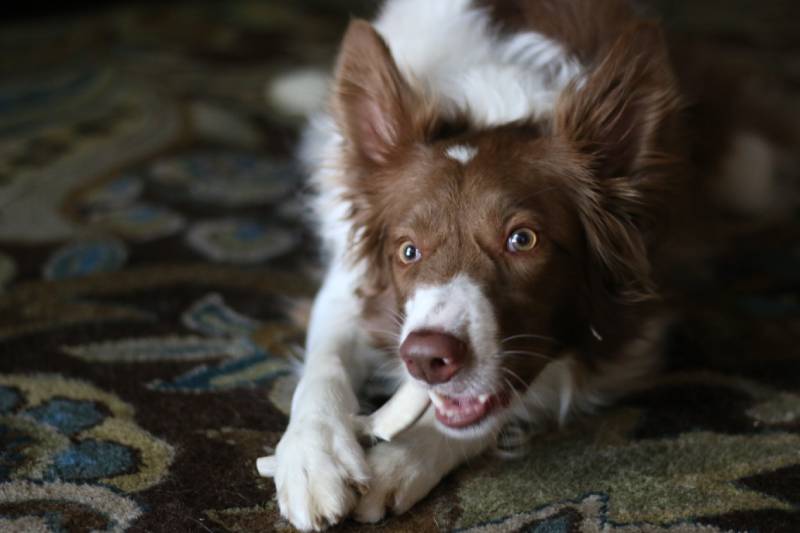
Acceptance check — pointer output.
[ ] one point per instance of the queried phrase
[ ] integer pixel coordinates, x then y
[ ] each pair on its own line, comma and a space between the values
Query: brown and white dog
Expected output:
490, 181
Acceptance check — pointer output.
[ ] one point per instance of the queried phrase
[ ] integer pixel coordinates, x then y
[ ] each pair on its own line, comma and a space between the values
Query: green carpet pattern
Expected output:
151, 243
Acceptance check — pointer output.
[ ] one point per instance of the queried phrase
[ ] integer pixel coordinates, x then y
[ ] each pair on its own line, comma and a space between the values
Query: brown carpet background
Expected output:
150, 238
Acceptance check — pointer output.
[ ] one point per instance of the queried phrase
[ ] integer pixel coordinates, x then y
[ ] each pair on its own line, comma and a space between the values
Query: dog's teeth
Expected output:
483, 398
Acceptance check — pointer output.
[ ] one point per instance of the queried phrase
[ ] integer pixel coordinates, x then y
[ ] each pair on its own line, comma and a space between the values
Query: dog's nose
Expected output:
432, 356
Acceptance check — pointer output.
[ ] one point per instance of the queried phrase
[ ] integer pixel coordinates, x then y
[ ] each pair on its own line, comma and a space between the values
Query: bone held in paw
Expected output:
396, 415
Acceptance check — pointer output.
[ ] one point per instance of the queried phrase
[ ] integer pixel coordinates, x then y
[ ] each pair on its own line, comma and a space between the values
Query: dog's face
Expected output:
493, 244
484, 256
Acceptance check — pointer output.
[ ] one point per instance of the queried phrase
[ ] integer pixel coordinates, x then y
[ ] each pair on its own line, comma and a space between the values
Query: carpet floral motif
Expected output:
226, 335
67, 439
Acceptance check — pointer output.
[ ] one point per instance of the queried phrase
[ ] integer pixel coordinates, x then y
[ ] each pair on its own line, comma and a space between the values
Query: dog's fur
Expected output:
452, 124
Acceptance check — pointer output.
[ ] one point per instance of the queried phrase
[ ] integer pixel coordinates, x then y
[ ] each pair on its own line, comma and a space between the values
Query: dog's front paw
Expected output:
320, 470
399, 480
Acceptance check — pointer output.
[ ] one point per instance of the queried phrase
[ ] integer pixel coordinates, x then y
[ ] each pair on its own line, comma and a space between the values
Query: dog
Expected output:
491, 182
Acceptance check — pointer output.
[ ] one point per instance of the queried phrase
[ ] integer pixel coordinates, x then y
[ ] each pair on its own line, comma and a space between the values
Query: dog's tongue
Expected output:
461, 412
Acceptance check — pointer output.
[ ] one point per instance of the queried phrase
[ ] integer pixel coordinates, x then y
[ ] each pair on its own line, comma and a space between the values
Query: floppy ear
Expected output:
622, 119
372, 102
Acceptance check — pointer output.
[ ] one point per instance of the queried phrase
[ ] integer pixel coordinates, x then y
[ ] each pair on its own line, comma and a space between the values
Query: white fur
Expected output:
457, 307
406, 469
321, 151
449, 48
460, 308
319, 461
461, 153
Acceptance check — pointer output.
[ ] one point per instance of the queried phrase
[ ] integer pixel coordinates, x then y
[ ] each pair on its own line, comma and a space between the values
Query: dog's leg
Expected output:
319, 464
407, 468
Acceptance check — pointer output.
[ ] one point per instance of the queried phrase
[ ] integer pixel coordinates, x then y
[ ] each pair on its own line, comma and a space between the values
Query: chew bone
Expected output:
397, 414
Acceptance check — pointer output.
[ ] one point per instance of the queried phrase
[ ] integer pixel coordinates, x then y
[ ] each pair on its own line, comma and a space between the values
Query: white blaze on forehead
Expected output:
458, 307
461, 153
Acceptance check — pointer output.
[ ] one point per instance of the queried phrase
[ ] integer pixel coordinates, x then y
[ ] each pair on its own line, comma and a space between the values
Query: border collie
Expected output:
490, 180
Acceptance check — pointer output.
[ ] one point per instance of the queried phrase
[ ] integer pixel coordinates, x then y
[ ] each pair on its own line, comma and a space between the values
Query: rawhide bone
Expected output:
396, 415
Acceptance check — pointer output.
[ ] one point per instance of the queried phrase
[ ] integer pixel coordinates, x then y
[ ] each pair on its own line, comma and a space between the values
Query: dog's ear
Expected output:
620, 112
372, 103
621, 119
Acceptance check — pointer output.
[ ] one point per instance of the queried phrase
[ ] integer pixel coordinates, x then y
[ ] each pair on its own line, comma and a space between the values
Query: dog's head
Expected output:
501, 248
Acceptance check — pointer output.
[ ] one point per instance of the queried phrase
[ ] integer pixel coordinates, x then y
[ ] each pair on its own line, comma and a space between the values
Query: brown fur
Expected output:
587, 28
625, 118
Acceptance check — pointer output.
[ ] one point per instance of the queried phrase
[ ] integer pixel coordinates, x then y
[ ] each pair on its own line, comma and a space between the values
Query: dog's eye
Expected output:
409, 253
521, 240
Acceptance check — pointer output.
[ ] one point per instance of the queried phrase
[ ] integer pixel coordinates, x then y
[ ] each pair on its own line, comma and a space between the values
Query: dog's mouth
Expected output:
465, 411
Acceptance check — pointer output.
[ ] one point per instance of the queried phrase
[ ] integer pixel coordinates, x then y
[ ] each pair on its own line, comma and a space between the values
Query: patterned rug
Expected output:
149, 244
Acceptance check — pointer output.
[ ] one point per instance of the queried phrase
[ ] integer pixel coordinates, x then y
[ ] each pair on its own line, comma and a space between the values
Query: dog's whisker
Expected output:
515, 376
521, 402
393, 335
397, 317
392, 364
528, 353
524, 356
530, 336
